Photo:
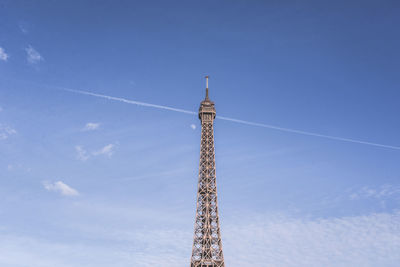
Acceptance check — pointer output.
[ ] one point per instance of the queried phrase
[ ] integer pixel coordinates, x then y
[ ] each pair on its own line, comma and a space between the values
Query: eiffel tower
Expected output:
207, 245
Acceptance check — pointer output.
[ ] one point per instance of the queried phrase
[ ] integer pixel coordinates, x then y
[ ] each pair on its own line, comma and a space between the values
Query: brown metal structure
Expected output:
207, 245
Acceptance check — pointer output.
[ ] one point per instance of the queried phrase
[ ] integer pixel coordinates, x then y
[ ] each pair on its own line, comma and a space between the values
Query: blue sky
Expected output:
94, 181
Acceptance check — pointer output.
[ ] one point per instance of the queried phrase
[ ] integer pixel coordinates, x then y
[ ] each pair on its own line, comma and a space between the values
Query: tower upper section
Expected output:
207, 109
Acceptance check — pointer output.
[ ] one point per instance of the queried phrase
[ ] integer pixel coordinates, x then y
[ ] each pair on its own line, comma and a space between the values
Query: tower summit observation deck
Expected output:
207, 245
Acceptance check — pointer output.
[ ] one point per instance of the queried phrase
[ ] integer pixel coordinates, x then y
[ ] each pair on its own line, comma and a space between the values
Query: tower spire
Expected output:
207, 87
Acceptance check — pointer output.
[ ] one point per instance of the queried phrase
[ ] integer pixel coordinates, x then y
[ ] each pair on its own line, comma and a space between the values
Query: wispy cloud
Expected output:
6, 131
3, 55
90, 126
33, 56
61, 188
84, 155
381, 192
23, 27
81, 153
193, 126
368, 241
107, 150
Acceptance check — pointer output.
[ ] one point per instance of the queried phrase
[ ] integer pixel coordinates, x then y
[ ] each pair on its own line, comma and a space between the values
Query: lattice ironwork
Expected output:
207, 245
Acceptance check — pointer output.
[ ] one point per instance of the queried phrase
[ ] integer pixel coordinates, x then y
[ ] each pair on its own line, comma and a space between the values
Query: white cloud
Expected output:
90, 126
81, 153
84, 155
6, 131
193, 126
3, 55
22, 250
381, 192
369, 241
61, 188
108, 150
33, 56
17, 167
23, 27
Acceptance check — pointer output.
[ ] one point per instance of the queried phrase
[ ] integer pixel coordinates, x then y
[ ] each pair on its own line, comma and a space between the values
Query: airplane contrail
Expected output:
307, 133
231, 119
129, 101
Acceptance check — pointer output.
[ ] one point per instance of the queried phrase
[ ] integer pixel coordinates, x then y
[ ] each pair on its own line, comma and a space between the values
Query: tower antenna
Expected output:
207, 87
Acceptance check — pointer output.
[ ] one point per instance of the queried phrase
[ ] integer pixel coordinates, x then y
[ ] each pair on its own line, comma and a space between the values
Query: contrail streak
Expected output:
306, 133
129, 101
231, 119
